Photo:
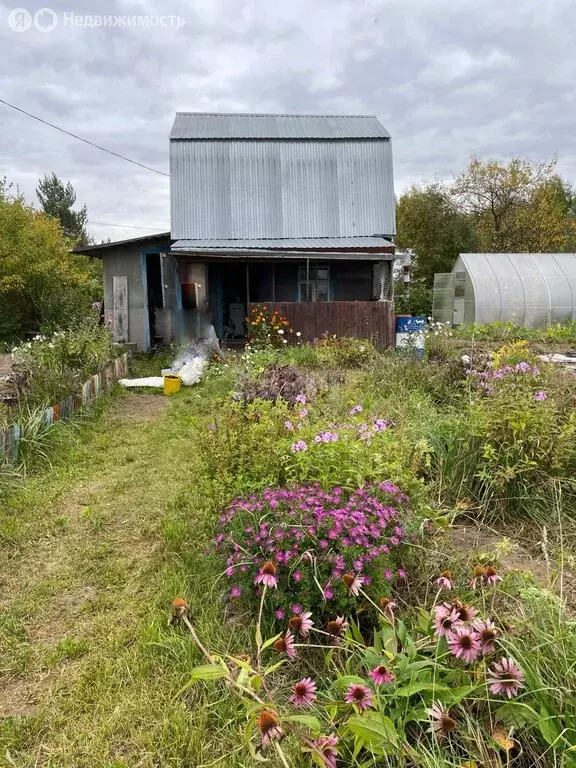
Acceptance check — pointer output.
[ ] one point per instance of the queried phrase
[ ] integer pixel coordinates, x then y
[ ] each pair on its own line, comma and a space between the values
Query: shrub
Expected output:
307, 544
49, 368
267, 327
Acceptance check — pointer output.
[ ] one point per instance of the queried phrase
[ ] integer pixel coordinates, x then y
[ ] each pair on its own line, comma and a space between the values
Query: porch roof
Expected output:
373, 247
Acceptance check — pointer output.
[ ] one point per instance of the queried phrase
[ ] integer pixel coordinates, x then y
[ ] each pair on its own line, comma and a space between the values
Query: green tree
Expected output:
432, 227
519, 206
57, 199
43, 286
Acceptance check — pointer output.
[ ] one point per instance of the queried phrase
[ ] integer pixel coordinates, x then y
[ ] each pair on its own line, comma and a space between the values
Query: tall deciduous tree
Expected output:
432, 227
516, 206
57, 200
43, 286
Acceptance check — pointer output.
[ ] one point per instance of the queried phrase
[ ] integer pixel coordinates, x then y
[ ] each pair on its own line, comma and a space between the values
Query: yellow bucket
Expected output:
172, 383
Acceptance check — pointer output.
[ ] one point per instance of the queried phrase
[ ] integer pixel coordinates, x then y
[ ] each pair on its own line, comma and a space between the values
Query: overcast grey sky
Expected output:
448, 78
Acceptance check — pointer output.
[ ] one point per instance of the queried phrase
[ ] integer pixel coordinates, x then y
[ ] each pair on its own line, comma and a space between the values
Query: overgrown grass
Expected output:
93, 551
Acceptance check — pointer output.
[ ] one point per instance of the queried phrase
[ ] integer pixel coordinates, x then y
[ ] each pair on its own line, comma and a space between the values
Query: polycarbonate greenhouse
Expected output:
533, 290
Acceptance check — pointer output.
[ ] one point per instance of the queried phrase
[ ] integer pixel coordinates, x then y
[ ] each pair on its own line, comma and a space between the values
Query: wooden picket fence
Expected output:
96, 385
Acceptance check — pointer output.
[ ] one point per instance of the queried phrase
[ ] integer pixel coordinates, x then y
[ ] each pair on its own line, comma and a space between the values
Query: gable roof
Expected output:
231, 126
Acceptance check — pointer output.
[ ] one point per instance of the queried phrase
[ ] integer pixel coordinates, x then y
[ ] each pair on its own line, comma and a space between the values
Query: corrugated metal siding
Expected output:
203, 125
273, 189
282, 242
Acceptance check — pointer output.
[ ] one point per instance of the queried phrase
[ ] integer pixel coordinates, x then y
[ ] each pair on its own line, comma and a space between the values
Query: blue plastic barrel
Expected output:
410, 334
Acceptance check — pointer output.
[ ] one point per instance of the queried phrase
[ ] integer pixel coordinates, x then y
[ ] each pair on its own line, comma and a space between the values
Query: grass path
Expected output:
91, 555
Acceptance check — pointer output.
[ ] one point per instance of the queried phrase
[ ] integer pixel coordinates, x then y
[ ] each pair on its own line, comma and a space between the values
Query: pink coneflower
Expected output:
326, 746
477, 576
301, 623
381, 675
269, 725
445, 620
267, 575
505, 678
387, 605
466, 613
487, 634
491, 577
441, 724
353, 583
303, 693
360, 695
444, 581
337, 626
285, 644
464, 644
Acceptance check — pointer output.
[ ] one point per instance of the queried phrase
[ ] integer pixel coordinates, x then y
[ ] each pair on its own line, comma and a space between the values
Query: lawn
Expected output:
131, 513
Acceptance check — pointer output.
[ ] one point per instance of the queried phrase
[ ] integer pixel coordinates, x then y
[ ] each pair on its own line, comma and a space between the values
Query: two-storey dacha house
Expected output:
292, 211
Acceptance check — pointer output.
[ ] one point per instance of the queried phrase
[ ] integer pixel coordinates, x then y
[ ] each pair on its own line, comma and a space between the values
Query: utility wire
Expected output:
86, 141
124, 226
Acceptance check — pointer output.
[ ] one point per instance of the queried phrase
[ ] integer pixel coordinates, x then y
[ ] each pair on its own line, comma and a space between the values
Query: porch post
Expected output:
382, 267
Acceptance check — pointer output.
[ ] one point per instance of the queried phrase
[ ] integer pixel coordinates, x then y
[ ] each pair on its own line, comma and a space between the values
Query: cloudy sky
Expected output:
448, 78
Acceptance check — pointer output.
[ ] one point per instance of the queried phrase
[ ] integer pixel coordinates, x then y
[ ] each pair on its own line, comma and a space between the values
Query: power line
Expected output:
86, 141
124, 226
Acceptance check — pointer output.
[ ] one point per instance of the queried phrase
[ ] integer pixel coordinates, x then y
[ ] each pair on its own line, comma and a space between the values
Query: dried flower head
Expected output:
180, 608
477, 576
269, 726
388, 606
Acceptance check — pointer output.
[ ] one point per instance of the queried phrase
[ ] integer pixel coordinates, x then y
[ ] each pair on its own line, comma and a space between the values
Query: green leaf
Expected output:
548, 726
256, 682
270, 641
347, 680
308, 720
410, 690
373, 728
517, 714
204, 672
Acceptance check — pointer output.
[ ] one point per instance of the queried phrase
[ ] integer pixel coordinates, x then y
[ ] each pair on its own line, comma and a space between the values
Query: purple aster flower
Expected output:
299, 445
296, 608
356, 409
540, 396
235, 591
280, 614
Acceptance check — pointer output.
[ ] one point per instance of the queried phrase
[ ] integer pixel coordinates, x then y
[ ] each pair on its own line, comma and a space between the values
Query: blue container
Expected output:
410, 334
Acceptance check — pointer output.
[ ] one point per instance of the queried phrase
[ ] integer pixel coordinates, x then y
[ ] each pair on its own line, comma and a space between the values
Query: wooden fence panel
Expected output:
99, 383
372, 320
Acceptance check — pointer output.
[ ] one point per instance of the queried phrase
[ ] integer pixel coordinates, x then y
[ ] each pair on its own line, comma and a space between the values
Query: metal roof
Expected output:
281, 189
284, 243
215, 125
94, 250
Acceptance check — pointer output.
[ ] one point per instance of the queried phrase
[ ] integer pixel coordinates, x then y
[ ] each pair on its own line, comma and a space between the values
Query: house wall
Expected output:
130, 262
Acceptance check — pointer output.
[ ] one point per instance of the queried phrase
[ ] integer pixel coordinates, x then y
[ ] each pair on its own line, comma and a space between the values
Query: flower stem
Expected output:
281, 755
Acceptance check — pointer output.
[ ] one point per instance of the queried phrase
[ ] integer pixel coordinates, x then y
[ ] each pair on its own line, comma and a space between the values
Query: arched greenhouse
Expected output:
533, 290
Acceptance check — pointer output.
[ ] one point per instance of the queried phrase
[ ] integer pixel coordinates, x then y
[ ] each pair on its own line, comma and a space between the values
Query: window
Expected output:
313, 283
